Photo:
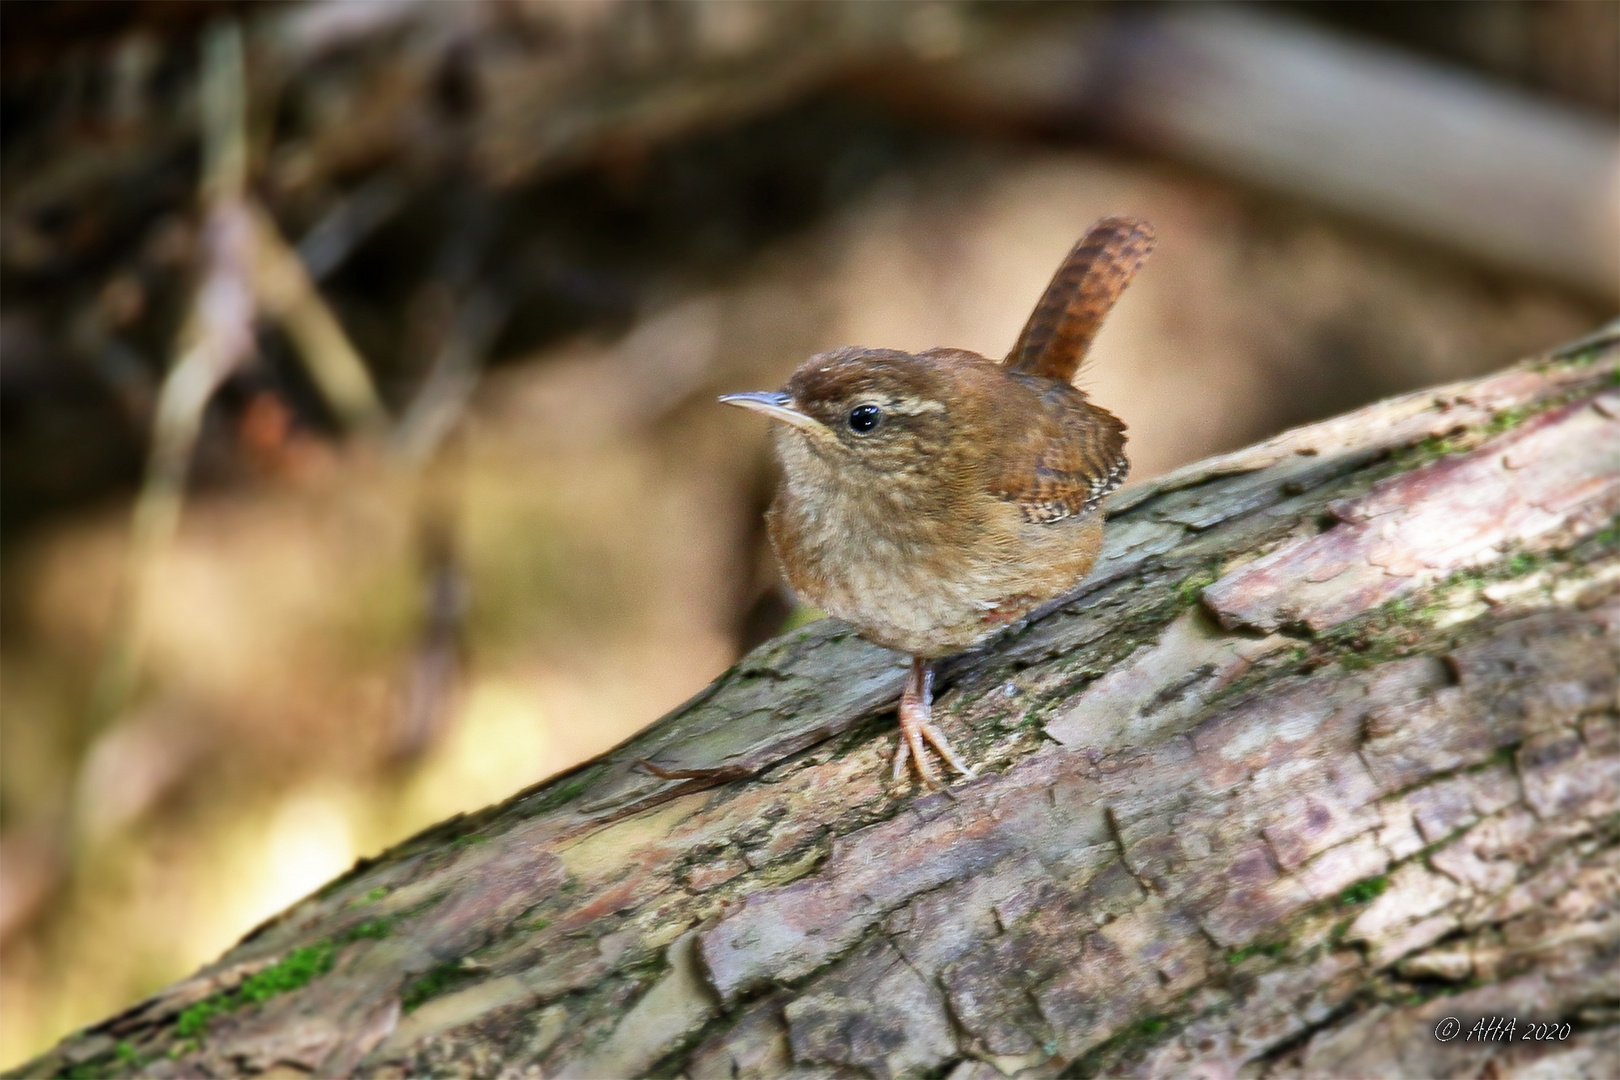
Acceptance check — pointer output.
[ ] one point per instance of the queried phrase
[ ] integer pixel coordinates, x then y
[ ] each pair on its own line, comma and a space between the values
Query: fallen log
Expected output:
1322, 760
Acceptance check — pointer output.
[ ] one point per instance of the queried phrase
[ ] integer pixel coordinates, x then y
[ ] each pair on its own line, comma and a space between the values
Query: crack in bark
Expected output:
1125, 855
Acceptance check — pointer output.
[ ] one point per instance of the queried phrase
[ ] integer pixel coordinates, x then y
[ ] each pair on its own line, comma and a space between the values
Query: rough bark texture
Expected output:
1325, 752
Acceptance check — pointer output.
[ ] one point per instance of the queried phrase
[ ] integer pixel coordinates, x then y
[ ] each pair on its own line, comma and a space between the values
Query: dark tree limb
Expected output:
1324, 753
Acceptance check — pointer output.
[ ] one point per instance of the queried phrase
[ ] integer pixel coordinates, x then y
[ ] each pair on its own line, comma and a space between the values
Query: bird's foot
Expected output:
917, 727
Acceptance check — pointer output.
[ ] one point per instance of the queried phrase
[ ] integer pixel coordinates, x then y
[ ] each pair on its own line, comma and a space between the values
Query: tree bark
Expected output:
1324, 753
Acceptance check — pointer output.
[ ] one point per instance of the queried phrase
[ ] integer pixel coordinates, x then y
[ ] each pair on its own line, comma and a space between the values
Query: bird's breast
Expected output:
927, 584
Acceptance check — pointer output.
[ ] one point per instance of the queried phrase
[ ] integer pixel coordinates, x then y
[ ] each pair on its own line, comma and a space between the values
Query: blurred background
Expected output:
359, 460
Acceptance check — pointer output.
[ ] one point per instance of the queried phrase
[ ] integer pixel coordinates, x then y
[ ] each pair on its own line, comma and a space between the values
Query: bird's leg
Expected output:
917, 727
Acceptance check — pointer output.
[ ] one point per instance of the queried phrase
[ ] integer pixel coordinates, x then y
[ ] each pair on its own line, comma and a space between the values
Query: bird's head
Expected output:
861, 413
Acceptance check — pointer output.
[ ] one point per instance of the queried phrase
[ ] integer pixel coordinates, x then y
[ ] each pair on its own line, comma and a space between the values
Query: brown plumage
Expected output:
931, 499
1084, 290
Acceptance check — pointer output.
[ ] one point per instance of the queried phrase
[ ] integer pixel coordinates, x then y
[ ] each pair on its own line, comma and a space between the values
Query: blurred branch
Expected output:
456, 317
444, 394
219, 339
559, 83
435, 663
246, 266
1444, 155
1440, 154
288, 294
335, 237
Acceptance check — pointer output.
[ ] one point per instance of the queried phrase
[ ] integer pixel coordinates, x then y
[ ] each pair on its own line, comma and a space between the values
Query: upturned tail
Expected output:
1084, 289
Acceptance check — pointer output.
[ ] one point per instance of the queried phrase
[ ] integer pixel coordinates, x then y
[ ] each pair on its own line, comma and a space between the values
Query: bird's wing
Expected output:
1066, 456
1082, 292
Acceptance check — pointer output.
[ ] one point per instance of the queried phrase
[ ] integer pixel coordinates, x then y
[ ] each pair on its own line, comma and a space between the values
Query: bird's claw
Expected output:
917, 728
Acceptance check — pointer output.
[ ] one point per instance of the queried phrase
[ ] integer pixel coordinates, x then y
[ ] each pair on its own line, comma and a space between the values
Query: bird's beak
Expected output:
777, 406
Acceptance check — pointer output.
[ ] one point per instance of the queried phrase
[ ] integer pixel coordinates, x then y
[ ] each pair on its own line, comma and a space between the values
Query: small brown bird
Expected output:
930, 500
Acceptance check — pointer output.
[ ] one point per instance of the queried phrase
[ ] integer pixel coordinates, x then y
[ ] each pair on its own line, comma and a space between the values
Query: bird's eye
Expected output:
863, 418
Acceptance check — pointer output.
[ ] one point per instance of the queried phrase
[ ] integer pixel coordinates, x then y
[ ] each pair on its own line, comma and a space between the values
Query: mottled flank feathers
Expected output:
1065, 456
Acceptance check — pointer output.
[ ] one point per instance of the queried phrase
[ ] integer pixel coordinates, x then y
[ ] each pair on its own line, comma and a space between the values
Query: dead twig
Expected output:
218, 340
247, 266
289, 295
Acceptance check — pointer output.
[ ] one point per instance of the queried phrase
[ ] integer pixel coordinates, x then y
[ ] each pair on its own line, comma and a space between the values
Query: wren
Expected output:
929, 500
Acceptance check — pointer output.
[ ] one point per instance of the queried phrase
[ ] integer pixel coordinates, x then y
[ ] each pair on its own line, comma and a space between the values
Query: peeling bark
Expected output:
1325, 752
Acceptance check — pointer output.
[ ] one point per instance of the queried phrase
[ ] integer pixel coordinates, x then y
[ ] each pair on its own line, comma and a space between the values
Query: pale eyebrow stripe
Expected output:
914, 407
